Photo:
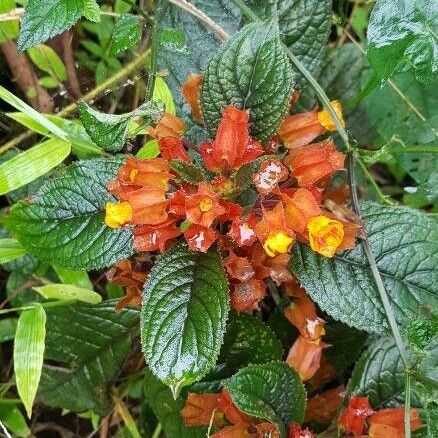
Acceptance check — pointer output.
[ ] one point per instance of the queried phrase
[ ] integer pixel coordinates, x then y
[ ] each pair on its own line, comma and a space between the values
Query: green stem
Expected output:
407, 404
157, 431
382, 197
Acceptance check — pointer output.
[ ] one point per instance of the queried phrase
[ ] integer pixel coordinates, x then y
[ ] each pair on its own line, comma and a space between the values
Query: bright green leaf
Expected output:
184, 313
61, 291
250, 71
78, 278
28, 354
42, 21
47, 60
126, 33
63, 223
92, 11
8, 29
150, 150
10, 249
272, 392
403, 242
127, 418
27, 166
162, 94
48, 82
13, 419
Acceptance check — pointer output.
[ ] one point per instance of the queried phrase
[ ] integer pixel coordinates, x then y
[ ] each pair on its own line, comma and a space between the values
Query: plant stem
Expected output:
382, 197
157, 431
407, 404
103, 87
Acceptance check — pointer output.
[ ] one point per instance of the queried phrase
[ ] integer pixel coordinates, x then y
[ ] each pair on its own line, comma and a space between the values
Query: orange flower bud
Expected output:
271, 173
325, 235
302, 314
354, 416
168, 126
202, 409
305, 356
117, 214
323, 407
390, 423
247, 295
171, 148
191, 90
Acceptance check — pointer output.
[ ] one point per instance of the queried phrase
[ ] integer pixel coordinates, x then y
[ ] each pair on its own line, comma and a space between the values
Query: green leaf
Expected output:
13, 419
92, 11
61, 291
8, 327
63, 223
78, 278
8, 29
248, 340
163, 94
168, 410
188, 172
38, 118
48, 82
250, 71
402, 241
272, 391
304, 28
47, 60
110, 130
126, 33
90, 343
10, 249
184, 313
29, 165
150, 150
401, 31
42, 21
28, 354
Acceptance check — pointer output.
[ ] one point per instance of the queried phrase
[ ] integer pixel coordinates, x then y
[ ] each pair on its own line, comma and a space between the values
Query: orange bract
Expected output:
354, 417
390, 423
270, 174
171, 148
155, 237
322, 408
200, 238
191, 90
247, 295
201, 409
168, 126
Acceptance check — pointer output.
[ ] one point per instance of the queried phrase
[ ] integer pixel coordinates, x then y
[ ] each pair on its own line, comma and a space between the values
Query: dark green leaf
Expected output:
400, 31
7, 329
273, 392
184, 313
126, 33
248, 340
403, 242
110, 130
43, 20
250, 71
168, 411
90, 343
188, 172
304, 28
64, 222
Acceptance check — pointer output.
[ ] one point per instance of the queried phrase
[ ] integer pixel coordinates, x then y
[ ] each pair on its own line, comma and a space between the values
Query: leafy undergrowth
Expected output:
219, 218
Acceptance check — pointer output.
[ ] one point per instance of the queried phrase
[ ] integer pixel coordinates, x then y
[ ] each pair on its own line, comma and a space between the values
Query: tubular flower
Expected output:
271, 173
300, 129
315, 163
203, 207
295, 431
231, 411
305, 356
267, 430
242, 233
247, 295
202, 409
168, 126
273, 232
236, 431
299, 206
274, 267
232, 211
325, 235
354, 417
233, 145
171, 148
155, 237
117, 214
200, 238
323, 407
191, 90
238, 267
390, 423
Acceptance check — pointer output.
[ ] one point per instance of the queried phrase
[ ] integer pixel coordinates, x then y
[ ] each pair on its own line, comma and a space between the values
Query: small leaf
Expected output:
42, 21
150, 150
47, 60
250, 71
10, 249
163, 94
188, 172
28, 353
63, 223
77, 278
110, 130
9, 28
126, 33
402, 241
183, 316
92, 11
29, 165
55, 291
272, 392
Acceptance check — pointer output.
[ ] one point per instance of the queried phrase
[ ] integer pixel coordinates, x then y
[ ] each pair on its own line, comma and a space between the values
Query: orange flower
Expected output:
273, 232
231, 411
274, 267
299, 206
242, 233
323, 407
117, 214
168, 126
305, 356
326, 372
177, 203
247, 295
300, 129
155, 237
325, 235
270, 174
200, 238
232, 211
202, 409
351, 232
267, 430
191, 90
238, 267
354, 416
171, 148
236, 431
295, 431
233, 145
203, 207
314, 163
390, 423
